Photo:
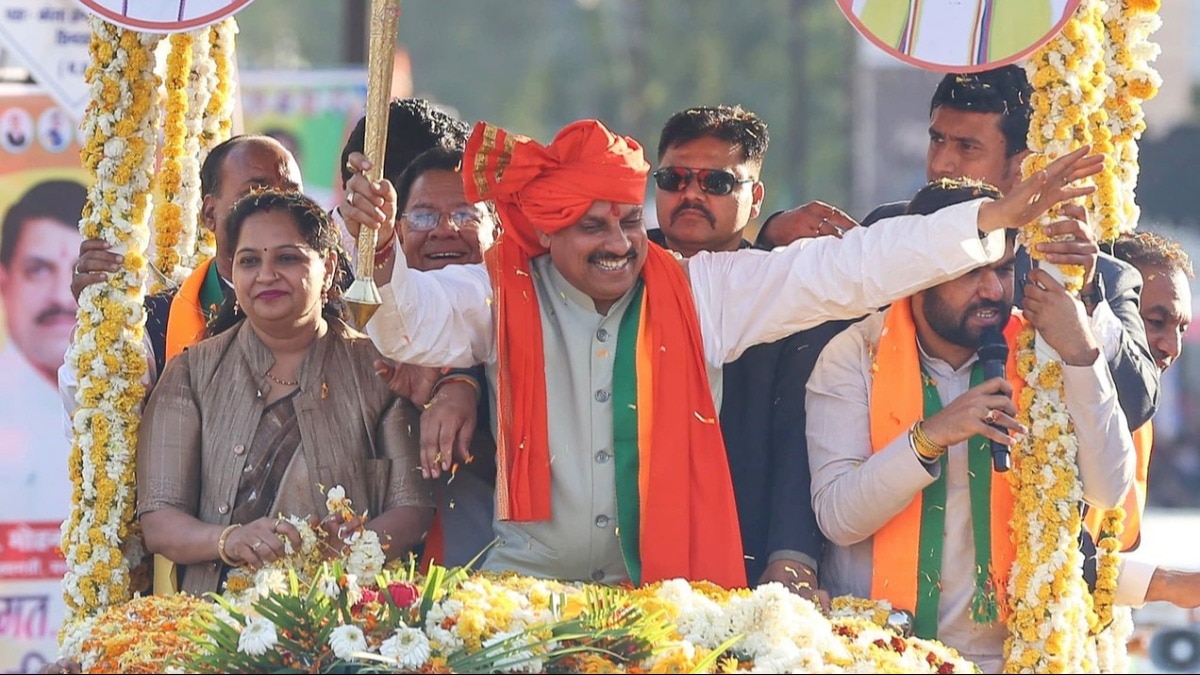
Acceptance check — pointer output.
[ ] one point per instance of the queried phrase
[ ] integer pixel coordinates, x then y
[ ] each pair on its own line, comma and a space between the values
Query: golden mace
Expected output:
363, 295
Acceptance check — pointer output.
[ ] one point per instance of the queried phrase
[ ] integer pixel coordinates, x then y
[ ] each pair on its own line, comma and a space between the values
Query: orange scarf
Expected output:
1135, 498
896, 404
185, 321
688, 516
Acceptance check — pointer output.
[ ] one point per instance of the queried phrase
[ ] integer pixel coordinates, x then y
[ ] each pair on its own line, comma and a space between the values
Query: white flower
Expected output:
258, 637
366, 557
347, 639
270, 580
409, 647
329, 586
335, 499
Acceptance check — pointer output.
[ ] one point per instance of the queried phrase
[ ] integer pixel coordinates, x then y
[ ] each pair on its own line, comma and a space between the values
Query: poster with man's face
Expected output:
42, 191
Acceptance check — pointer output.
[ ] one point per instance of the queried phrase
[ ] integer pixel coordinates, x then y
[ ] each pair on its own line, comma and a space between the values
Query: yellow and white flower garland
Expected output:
121, 130
1050, 611
167, 253
217, 124
198, 96
1128, 53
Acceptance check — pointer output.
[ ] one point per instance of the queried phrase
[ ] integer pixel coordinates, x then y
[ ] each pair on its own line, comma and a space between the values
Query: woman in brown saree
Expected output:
282, 403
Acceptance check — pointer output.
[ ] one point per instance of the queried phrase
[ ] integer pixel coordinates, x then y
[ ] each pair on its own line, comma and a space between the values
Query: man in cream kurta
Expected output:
445, 318
586, 187
864, 483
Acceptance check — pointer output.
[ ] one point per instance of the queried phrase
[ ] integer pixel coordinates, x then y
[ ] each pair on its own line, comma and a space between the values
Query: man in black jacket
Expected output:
977, 128
707, 190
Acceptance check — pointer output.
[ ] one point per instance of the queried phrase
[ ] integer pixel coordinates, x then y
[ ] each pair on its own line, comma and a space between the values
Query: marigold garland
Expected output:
120, 126
167, 253
217, 123
1128, 53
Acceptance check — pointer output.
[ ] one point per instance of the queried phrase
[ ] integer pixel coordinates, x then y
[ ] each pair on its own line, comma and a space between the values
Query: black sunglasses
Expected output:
711, 181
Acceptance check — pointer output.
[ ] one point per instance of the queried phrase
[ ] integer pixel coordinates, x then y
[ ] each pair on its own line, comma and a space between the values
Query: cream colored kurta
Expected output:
855, 492
742, 298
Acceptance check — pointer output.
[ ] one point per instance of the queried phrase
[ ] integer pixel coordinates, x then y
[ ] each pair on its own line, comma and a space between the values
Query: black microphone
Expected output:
993, 354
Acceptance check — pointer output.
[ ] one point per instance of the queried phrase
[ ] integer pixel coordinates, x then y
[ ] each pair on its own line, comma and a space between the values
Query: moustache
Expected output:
598, 257
53, 312
697, 206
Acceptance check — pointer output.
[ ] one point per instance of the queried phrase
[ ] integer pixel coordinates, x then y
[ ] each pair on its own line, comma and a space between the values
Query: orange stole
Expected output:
896, 404
1135, 498
185, 322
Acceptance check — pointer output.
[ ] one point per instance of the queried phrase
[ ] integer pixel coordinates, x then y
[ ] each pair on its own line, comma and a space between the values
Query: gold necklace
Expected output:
285, 383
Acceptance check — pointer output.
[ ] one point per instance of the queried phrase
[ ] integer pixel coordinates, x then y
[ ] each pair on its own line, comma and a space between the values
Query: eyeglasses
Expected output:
424, 220
711, 181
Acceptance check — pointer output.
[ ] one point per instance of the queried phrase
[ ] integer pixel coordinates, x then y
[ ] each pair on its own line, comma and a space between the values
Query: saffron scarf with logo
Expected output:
678, 479
196, 301
901, 568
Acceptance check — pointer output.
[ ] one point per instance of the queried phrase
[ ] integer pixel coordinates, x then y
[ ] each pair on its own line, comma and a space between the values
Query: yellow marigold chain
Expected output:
120, 126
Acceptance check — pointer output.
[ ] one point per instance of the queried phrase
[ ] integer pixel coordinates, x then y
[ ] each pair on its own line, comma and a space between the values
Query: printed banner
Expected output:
42, 193
50, 38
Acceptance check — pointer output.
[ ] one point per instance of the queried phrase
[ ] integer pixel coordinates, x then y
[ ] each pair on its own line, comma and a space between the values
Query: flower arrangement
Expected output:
121, 130
309, 613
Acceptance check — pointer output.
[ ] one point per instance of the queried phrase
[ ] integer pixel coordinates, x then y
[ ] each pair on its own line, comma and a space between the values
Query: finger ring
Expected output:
350, 199
990, 417
77, 270
257, 545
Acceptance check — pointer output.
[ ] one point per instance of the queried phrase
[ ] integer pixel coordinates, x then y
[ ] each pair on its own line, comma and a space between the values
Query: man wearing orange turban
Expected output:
605, 351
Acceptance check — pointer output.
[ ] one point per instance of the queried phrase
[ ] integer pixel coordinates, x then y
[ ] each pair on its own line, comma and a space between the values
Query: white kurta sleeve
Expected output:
1106, 456
437, 318
745, 298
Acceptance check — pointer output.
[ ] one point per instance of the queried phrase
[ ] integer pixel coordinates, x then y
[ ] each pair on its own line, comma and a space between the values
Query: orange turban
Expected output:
551, 187
685, 518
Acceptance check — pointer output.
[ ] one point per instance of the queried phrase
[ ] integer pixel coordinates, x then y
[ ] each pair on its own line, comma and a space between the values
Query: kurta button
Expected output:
223, 508
601, 395
239, 449
602, 335
601, 521
602, 457
598, 575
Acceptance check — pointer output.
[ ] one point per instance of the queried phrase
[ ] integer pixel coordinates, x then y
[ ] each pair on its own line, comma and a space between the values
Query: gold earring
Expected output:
237, 308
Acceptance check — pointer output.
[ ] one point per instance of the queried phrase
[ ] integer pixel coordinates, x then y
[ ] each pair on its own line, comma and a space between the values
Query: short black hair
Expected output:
938, 194
1150, 248
414, 126
214, 163
433, 159
1003, 90
732, 124
58, 200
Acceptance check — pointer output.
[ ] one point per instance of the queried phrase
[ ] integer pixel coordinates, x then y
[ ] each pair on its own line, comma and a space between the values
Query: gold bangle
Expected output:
221, 545
927, 451
456, 377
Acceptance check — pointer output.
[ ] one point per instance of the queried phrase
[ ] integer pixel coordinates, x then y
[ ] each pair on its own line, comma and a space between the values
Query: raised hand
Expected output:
367, 203
1038, 193
1060, 319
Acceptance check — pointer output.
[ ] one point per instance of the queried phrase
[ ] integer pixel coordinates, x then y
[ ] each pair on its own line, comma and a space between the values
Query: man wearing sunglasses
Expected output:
708, 190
